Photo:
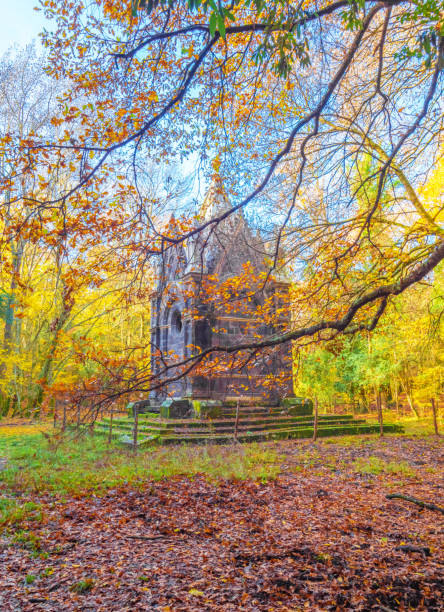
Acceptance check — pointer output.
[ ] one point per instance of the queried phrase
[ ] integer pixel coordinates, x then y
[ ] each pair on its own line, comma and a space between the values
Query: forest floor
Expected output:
290, 525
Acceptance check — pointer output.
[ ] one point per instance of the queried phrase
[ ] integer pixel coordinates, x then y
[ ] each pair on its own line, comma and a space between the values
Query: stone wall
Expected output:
178, 330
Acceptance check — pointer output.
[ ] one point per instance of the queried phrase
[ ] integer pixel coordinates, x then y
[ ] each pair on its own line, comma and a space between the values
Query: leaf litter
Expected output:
321, 536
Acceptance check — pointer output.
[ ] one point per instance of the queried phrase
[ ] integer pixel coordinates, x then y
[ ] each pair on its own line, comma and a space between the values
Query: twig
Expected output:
418, 502
424, 550
141, 537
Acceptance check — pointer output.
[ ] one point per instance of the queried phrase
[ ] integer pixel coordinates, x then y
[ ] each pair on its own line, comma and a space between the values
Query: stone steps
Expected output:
281, 434
208, 429
242, 428
215, 421
226, 424
252, 426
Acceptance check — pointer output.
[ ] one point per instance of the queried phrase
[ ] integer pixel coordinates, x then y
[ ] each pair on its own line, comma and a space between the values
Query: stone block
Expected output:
142, 407
176, 408
297, 406
207, 409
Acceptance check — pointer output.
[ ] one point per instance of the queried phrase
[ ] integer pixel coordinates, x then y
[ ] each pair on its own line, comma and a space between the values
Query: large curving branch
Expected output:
342, 324
308, 17
187, 83
380, 293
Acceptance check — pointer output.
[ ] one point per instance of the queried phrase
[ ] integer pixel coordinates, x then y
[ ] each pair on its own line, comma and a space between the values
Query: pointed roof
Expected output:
216, 200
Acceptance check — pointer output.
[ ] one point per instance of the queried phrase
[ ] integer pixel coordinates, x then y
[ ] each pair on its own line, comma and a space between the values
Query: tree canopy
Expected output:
323, 120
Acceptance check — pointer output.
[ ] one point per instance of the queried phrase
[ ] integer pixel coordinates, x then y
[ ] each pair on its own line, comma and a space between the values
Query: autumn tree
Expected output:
64, 275
290, 100
27, 102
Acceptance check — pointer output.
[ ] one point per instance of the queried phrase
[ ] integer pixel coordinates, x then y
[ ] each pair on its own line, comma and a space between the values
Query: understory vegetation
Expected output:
87, 524
39, 460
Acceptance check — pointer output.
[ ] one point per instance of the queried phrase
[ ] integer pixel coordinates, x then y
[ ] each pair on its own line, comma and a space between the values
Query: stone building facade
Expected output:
184, 320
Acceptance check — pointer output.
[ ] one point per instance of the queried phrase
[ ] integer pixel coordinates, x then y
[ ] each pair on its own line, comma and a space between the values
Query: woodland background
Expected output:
96, 184
69, 310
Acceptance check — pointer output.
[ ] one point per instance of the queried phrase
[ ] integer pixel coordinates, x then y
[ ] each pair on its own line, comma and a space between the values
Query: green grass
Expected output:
38, 464
412, 426
353, 440
13, 512
83, 586
30, 578
375, 465
89, 465
28, 539
421, 428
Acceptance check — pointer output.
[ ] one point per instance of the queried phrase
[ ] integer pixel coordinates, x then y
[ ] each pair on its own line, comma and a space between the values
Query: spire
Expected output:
216, 200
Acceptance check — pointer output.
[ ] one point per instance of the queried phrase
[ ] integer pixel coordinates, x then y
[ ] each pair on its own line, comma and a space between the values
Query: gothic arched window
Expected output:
176, 322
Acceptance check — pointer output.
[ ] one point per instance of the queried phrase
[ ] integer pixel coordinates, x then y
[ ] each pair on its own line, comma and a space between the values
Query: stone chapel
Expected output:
219, 252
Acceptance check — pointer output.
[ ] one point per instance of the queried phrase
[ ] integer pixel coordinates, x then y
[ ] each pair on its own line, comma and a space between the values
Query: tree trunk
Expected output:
17, 256
8, 344
56, 326
412, 406
435, 419
409, 399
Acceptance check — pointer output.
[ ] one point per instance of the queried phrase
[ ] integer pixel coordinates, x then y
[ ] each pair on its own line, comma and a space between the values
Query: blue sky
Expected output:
19, 23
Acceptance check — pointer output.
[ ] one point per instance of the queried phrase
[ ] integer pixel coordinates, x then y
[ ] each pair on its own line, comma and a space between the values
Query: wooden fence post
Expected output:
110, 432
236, 423
64, 416
435, 419
315, 423
380, 418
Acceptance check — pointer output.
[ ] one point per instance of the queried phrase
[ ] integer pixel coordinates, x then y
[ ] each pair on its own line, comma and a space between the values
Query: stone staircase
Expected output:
255, 423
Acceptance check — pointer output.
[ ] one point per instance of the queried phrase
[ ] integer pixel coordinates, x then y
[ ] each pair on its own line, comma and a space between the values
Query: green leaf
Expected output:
230, 15
221, 25
213, 23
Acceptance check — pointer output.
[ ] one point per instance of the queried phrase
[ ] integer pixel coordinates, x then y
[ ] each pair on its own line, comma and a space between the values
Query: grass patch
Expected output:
375, 465
89, 465
14, 513
28, 540
83, 586
351, 440
421, 428
412, 426
12, 431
